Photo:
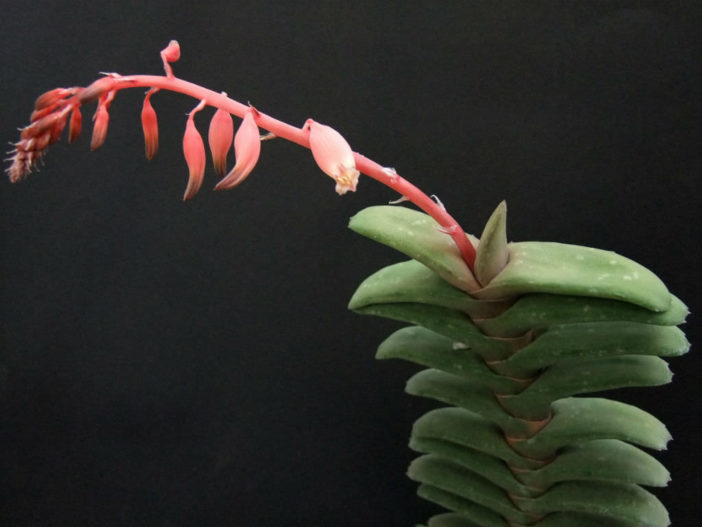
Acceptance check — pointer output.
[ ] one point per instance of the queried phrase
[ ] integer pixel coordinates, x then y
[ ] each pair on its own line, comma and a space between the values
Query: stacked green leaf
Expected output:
513, 446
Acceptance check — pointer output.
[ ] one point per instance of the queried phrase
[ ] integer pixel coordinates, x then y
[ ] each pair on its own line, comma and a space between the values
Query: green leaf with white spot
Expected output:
557, 268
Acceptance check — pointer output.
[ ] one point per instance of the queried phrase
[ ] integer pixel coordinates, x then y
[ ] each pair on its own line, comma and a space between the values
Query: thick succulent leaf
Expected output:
414, 282
533, 267
619, 501
450, 323
539, 311
602, 459
566, 378
491, 468
594, 340
463, 427
450, 477
472, 383
417, 235
479, 514
577, 420
598, 460
546, 267
427, 348
492, 254
453, 390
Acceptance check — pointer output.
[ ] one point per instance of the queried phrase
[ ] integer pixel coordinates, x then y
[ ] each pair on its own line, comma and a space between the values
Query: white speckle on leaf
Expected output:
579, 257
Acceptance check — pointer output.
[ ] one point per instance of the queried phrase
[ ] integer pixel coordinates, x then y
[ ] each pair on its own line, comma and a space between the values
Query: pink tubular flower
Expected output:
247, 148
194, 151
333, 155
149, 123
220, 137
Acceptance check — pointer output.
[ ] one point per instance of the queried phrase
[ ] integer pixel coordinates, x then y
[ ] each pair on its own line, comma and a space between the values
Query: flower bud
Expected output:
52, 97
149, 124
171, 53
247, 148
195, 157
220, 137
100, 121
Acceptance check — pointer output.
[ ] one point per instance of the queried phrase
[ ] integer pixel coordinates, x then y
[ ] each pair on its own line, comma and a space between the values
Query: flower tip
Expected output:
236, 176
194, 184
347, 180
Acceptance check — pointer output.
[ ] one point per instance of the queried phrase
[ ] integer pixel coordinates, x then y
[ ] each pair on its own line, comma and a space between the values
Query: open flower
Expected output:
333, 155
247, 148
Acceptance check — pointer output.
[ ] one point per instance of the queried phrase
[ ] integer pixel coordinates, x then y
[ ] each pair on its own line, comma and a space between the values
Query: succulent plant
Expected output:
510, 332
515, 447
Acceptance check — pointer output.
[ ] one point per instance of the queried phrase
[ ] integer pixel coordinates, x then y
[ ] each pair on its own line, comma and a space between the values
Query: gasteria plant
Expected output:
510, 332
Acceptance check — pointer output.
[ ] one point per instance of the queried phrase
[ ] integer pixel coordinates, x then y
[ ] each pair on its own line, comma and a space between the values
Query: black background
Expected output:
194, 364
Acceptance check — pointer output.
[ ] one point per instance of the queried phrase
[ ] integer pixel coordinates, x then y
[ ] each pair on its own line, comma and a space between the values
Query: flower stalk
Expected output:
53, 108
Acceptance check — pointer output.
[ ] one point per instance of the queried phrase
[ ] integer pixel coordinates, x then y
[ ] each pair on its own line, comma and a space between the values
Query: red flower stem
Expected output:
291, 133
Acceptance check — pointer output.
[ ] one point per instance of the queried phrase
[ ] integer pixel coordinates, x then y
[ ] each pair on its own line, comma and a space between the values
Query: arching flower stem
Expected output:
297, 135
104, 90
